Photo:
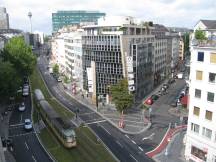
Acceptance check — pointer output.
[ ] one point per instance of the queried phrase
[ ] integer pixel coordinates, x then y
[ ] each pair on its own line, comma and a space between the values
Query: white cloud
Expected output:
169, 12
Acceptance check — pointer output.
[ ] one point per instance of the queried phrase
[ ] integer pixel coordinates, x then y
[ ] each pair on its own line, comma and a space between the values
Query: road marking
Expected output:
149, 137
133, 142
100, 121
21, 118
119, 144
34, 158
15, 125
133, 158
105, 130
127, 136
26, 146
17, 135
140, 148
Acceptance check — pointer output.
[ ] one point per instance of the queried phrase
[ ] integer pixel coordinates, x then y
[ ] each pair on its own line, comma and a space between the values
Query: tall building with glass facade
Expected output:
63, 18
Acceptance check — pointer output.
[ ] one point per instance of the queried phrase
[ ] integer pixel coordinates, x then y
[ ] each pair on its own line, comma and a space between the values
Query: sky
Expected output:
172, 13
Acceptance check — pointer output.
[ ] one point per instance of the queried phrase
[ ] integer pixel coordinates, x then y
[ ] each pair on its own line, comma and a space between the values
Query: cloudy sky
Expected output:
181, 13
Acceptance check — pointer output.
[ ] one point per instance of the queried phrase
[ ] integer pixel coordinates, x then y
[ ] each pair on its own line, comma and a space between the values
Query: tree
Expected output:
121, 96
9, 80
20, 55
200, 35
186, 42
56, 69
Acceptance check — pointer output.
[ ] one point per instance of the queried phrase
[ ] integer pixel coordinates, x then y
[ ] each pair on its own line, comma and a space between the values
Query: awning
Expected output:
184, 100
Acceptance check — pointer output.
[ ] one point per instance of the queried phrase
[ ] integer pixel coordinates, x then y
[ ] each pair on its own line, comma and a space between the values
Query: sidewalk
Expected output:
5, 154
135, 121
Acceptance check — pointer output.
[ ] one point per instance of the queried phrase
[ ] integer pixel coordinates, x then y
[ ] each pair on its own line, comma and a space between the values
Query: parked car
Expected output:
166, 86
155, 97
59, 79
171, 81
22, 107
28, 124
149, 101
25, 92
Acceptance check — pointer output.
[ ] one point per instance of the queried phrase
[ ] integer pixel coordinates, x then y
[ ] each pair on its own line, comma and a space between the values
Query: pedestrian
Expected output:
82, 95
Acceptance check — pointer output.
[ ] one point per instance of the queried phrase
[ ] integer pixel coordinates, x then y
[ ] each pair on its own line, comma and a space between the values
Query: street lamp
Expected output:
30, 16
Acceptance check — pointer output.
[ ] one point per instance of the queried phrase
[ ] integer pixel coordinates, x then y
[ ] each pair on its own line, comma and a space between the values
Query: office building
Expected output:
201, 131
64, 18
116, 48
4, 18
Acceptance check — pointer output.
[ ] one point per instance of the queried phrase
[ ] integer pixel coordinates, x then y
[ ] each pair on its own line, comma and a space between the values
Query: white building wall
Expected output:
175, 51
197, 139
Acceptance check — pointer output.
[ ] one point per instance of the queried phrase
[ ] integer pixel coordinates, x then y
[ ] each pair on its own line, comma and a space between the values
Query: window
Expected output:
212, 77
213, 58
195, 128
210, 97
196, 111
197, 93
198, 75
207, 132
199, 153
208, 115
200, 56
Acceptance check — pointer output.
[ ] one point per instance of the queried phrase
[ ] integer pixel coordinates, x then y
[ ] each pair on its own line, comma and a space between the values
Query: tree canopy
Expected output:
9, 81
200, 35
121, 96
20, 55
56, 69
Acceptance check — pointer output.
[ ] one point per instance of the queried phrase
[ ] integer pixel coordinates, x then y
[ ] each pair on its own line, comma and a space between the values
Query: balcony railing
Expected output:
204, 43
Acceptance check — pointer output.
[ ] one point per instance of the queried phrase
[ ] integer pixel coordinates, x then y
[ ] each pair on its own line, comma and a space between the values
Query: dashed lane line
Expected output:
140, 148
34, 158
133, 158
105, 129
26, 146
133, 142
100, 121
127, 136
119, 144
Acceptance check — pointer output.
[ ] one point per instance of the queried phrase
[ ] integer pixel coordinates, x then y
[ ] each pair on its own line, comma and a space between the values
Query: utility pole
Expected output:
30, 16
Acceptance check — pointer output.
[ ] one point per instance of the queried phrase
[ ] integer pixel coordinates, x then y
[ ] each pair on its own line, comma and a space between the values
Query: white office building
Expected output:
4, 18
201, 131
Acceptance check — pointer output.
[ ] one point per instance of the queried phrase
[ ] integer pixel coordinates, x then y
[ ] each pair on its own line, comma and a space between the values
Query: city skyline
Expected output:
177, 13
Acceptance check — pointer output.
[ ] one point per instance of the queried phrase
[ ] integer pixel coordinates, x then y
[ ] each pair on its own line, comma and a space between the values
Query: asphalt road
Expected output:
125, 149
26, 145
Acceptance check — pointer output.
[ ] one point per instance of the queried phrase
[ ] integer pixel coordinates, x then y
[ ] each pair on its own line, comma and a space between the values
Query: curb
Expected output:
41, 143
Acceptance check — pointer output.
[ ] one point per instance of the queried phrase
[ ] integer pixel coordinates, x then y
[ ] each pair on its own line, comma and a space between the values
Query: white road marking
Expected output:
21, 118
26, 146
16, 125
100, 121
149, 137
17, 135
105, 130
133, 142
140, 148
127, 136
34, 158
133, 158
119, 144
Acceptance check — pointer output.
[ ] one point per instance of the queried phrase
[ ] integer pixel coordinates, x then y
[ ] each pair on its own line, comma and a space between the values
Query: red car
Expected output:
149, 101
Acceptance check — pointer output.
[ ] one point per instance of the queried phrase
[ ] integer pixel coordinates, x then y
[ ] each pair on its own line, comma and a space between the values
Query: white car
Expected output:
25, 91
22, 107
28, 124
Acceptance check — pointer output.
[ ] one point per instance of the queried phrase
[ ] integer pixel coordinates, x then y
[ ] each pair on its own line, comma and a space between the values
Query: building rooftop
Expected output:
210, 24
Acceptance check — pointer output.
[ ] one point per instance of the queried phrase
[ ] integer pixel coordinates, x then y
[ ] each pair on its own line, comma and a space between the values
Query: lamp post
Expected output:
30, 16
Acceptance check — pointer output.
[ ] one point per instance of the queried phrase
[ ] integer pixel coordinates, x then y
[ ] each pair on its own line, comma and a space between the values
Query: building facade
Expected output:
64, 18
113, 50
181, 49
73, 58
4, 18
201, 132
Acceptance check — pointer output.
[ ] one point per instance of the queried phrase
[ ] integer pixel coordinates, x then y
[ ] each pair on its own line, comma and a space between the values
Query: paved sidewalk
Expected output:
4, 130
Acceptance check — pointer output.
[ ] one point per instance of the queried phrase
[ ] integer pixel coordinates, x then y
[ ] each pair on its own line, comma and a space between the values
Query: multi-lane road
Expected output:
26, 145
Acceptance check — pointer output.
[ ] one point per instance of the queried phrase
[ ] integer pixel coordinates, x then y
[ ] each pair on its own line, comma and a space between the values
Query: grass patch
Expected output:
87, 150
38, 83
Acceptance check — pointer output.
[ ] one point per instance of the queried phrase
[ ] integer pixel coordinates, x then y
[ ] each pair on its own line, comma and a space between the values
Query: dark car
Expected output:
171, 81
155, 97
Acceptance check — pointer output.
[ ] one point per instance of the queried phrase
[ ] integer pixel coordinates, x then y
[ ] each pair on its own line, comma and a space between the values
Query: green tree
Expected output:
186, 42
56, 69
9, 80
200, 35
18, 53
121, 96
